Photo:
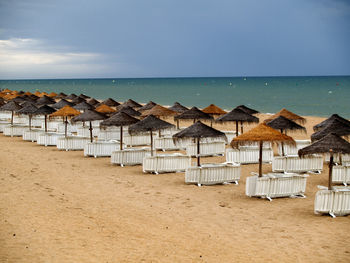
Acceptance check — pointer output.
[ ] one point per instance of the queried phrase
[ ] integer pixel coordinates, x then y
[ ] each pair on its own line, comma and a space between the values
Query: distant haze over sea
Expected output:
315, 96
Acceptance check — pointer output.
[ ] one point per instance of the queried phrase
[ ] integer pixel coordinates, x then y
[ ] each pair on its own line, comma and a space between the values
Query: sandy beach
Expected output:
58, 206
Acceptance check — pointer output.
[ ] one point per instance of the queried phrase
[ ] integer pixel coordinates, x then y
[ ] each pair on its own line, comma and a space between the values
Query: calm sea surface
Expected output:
316, 96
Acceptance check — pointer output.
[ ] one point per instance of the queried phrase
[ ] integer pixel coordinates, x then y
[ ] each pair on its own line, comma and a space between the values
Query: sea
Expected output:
311, 96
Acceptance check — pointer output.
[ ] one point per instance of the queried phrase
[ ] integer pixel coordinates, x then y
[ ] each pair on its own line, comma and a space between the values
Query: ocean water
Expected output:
314, 96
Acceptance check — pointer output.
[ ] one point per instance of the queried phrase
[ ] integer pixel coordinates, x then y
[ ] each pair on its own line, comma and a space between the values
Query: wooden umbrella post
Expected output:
91, 139
65, 126
151, 143
198, 152
12, 118
282, 145
45, 123
177, 124
241, 127
30, 121
121, 138
236, 128
330, 170
260, 158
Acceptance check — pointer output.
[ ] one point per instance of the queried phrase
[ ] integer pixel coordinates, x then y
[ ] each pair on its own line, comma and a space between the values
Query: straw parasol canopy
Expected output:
34, 97
261, 133
89, 115
334, 126
214, 110
238, 115
29, 110
77, 100
104, 109
198, 131
93, 101
71, 96
331, 143
120, 119
329, 120
61, 95
148, 106
149, 124
178, 108
83, 96
45, 100
130, 111
110, 102
26, 103
83, 106
159, 111
61, 104
65, 112
11, 106
44, 110
18, 99
192, 114
289, 115
52, 95
131, 103
247, 110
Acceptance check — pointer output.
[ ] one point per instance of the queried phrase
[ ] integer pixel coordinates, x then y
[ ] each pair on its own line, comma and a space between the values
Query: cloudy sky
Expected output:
178, 38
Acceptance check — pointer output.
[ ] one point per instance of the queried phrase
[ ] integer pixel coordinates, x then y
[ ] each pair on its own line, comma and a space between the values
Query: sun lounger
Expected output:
345, 158
3, 124
31, 135
15, 130
5, 115
85, 132
341, 175
295, 164
206, 149
291, 149
129, 156
166, 144
209, 174
335, 202
70, 143
111, 133
49, 138
247, 155
101, 148
52, 125
274, 185
166, 163
137, 140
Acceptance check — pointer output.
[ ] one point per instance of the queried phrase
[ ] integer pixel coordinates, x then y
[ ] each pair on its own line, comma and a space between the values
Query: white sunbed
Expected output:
341, 175
206, 148
14, 130
248, 155
296, 164
335, 202
49, 138
293, 149
166, 163
101, 148
129, 156
70, 143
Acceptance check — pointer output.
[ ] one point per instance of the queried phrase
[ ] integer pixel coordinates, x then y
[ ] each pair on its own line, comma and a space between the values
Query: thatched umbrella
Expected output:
83, 96
65, 112
331, 143
148, 106
334, 126
61, 95
289, 115
329, 120
11, 106
19, 99
214, 110
45, 100
27, 103
28, 110
159, 111
261, 133
238, 115
247, 110
131, 103
83, 106
110, 102
52, 95
283, 124
34, 97
44, 110
70, 96
60, 104
178, 108
130, 111
93, 101
120, 119
198, 131
149, 124
77, 100
192, 114
105, 109
89, 115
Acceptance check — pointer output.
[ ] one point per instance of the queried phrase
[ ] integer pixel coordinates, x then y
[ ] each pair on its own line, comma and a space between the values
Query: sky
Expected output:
178, 38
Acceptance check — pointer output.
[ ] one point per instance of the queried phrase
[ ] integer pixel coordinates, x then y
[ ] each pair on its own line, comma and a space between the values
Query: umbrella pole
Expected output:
12, 118
91, 139
241, 127
236, 128
211, 123
121, 138
198, 152
330, 171
151, 143
45, 123
65, 126
282, 145
260, 158
177, 124
30, 121
160, 134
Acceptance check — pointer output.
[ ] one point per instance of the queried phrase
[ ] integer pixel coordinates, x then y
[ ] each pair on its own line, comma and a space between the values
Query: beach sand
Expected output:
58, 206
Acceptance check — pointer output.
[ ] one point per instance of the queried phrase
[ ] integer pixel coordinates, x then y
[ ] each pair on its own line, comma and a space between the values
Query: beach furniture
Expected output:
166, 163
49, 138
341, 175
337, 158
293, 163
101, 148
335, 202
84, 131
110, 133
130, 156
166, 143
3, 124
216, 173
293, 149
15, 130
137, 139
207, 148
274, 185
72, 143
31, 135
248, 155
